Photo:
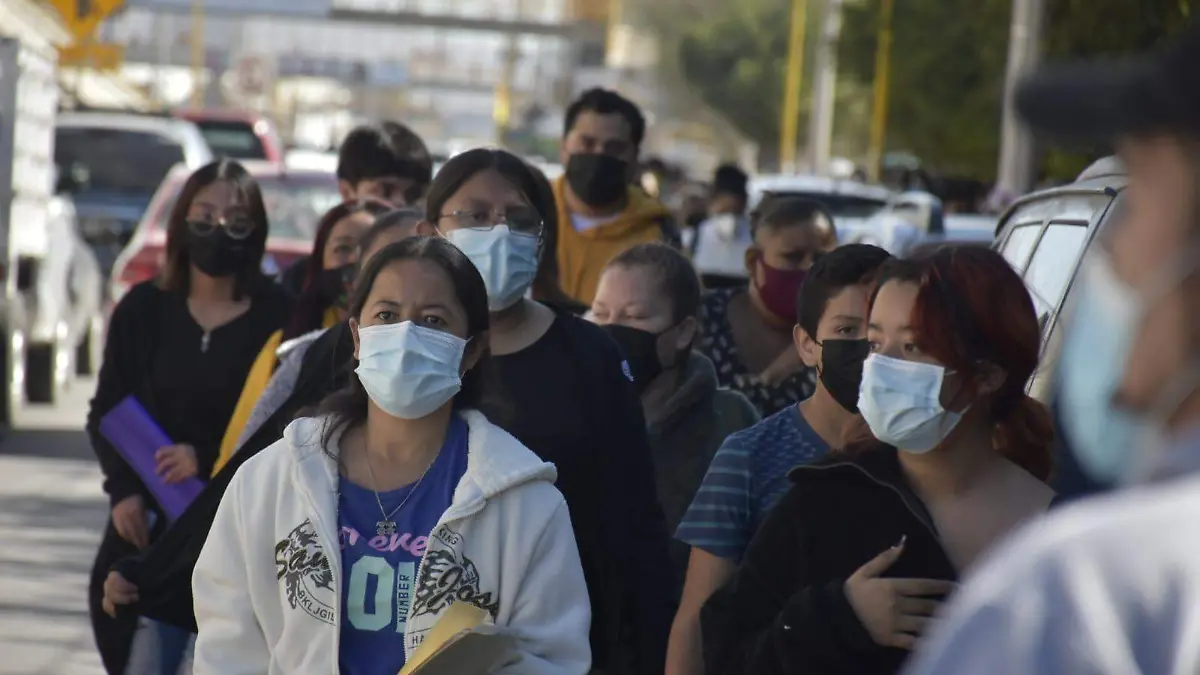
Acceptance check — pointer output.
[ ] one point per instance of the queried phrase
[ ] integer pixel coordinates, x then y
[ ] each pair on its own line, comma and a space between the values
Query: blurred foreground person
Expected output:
346, 541
1111, 585
948, 456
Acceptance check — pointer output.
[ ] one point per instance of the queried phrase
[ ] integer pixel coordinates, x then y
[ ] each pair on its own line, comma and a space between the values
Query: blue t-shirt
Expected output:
747, 476
379, 572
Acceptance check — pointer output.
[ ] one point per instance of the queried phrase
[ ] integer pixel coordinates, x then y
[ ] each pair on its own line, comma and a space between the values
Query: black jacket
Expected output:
785, 610
163, 572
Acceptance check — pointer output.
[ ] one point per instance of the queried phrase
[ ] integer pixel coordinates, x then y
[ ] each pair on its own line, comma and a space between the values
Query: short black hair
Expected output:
385, 150
844, 266
676, 275
729, 179
776, 213
607, 102
405, 216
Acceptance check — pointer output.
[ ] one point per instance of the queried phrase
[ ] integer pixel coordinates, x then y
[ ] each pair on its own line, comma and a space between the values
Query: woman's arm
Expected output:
772, 618
552, 613
230, 640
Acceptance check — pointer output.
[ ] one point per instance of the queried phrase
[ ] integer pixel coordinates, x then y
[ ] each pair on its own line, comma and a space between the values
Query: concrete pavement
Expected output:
51, 514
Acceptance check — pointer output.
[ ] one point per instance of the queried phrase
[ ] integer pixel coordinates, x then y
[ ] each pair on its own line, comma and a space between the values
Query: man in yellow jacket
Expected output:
600, 212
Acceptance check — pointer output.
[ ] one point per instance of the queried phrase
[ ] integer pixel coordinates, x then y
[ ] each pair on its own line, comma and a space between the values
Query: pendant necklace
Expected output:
387, 526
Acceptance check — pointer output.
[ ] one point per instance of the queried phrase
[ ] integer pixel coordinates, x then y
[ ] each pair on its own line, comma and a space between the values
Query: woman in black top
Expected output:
948, 456
568, 396
182, 344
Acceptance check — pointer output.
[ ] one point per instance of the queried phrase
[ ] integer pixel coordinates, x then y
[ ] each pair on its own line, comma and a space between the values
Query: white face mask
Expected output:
900, 401
409, 371
506, 260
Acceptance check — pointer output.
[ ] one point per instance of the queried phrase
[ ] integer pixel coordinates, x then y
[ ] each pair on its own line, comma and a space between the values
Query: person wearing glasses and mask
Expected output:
569, 397
182, 345
1108, 585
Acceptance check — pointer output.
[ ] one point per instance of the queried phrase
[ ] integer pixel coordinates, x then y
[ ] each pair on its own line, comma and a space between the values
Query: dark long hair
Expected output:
311, 306
973, 309
175, 275
348, 407
532, 184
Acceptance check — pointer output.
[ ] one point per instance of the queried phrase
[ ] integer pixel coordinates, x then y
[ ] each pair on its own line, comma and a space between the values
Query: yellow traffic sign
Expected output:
97, 55
84, 16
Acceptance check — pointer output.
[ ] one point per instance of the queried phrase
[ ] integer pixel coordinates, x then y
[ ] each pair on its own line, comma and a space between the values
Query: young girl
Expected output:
339, 547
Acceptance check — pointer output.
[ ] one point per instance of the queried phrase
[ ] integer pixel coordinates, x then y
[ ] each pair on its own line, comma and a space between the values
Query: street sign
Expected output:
84, 16
97, 55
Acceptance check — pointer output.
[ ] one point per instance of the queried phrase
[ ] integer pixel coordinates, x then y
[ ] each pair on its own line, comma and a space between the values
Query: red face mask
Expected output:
779, 290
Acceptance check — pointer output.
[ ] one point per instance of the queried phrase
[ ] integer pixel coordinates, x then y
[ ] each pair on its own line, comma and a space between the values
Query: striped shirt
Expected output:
747, 476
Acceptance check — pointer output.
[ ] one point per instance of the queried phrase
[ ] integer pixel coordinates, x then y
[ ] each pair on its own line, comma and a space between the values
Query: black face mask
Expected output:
597, 179
333, 285
841, 370
640, 348
216, 253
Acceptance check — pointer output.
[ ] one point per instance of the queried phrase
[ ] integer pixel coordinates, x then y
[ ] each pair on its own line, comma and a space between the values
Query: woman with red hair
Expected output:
948, 456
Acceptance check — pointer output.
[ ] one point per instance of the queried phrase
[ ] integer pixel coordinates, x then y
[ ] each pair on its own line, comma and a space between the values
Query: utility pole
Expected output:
502, 109
820, 123
1015, 175
879, 106
791, 88
197, 45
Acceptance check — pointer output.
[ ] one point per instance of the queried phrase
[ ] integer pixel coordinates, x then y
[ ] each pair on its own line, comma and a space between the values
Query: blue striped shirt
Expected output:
747, 476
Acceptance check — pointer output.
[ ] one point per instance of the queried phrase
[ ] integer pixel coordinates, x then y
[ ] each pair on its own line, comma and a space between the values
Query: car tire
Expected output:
41, 385
89, 353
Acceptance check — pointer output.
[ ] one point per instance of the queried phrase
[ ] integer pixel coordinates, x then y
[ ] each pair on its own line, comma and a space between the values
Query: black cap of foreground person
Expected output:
1098, 100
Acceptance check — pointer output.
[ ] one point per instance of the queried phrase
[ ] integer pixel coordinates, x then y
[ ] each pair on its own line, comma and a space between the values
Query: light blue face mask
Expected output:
507, 261
1103, 325
409, 371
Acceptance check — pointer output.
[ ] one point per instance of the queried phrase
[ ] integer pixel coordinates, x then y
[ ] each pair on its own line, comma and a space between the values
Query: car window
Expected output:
840, 206
293, 205
115, 160
232, 139
1053, 264
1019, 245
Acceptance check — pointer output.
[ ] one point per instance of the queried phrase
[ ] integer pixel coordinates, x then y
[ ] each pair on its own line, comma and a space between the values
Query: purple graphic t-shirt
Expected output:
379, 572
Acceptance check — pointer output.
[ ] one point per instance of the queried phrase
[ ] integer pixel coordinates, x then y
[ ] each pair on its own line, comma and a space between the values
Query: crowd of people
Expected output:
747, 450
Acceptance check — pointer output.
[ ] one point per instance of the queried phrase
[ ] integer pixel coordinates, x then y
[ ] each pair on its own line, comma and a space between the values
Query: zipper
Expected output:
334, 557
903, 499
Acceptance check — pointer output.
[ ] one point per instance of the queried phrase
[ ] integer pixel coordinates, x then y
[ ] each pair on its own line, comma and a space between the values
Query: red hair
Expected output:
973, 309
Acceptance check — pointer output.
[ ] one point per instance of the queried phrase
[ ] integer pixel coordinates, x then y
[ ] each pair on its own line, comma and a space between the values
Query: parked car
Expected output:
850, 202
237, 134
915, 220
61, 291
111, 163
295, 201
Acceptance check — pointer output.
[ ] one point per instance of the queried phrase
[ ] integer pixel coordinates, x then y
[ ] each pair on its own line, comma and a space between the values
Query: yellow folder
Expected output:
461, 643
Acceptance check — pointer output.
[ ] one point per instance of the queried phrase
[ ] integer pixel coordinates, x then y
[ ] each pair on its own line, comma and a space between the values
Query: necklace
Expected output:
387, 526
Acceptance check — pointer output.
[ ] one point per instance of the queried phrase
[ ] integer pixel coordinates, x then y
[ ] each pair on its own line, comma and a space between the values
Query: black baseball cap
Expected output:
1100, 100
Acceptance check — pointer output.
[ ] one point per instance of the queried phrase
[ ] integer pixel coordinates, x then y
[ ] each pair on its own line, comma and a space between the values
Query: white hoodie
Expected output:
267, 584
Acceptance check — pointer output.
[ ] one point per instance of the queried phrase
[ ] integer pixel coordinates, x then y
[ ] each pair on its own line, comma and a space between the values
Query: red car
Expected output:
237, 134
295, 201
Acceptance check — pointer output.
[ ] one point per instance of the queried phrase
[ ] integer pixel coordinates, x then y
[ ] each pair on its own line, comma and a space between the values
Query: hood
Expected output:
641, 213
496, 461
699, 382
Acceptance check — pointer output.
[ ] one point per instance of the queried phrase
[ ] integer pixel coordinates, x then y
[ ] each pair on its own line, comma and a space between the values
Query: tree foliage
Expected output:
947, 67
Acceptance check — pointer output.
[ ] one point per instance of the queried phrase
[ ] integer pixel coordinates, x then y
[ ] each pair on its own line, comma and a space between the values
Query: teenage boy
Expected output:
385, 161
749, 472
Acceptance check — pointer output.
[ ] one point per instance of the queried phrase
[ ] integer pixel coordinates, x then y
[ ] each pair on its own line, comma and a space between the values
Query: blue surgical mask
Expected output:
1102, 328
507, 261
409, 371
901, 403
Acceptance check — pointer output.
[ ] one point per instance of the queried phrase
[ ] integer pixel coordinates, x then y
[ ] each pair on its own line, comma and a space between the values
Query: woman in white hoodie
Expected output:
337, 549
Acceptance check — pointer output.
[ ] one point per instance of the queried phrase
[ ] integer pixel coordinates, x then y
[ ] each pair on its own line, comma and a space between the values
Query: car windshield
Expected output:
117, 160
232, 139
839, 205
294, 205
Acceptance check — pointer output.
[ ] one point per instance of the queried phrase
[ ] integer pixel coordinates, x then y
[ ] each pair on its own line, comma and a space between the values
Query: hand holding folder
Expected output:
137, 438
461, 643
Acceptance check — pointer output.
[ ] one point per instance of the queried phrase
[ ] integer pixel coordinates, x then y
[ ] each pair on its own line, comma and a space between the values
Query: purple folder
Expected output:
135, 434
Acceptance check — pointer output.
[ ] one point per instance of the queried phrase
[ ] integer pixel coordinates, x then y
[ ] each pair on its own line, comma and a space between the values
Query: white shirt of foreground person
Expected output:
1108, 586
267, 584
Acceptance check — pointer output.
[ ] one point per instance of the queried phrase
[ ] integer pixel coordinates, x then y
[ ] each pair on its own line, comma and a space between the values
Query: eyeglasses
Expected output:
521, 220
237, 228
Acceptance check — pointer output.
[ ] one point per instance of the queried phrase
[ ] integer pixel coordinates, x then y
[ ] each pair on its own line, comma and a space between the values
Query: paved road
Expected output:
51, 514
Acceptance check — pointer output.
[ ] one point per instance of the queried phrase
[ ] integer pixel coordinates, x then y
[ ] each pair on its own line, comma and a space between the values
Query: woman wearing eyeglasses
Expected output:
568, 396
182, 345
